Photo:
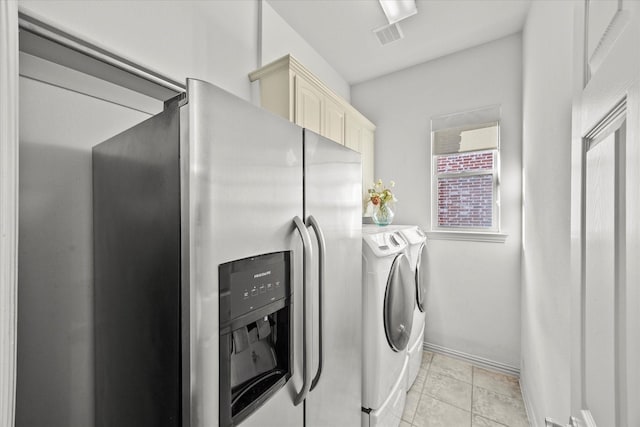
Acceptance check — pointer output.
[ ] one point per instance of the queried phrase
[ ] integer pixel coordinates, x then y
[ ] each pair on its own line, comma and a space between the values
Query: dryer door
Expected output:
399, 303
421, 278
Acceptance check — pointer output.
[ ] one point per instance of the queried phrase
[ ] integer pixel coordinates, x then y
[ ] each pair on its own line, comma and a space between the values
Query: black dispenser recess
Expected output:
255, 333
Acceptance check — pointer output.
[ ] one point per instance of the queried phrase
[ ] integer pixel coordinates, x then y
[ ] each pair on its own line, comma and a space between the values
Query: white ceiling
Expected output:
341, 31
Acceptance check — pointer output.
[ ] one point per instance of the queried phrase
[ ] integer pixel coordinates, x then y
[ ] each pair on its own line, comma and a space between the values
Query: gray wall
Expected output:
55, 328
548, 56
215, 41
474, 292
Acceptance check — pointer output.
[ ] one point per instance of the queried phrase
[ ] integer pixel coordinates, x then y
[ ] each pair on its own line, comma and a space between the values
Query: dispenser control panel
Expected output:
255, 282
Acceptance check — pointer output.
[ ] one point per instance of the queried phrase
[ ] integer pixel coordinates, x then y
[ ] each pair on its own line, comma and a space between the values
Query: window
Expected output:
465, 154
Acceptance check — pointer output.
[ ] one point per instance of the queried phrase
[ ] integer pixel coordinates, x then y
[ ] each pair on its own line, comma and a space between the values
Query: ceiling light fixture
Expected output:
397, 10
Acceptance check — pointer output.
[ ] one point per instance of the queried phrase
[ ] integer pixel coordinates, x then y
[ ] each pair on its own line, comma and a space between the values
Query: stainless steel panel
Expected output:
333, 196
136, 211
245, 187
185, 257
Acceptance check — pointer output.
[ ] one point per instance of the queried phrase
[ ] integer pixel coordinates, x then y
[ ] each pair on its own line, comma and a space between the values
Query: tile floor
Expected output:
451, 393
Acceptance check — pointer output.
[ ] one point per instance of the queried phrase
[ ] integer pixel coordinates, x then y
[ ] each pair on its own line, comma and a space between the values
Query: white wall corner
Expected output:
526, 398
547, 97
278, 39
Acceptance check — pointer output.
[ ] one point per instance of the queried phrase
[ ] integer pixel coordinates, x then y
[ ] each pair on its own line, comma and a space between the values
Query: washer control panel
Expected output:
385, 243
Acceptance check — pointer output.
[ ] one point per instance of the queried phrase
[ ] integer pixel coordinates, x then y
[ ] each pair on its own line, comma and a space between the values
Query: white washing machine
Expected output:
416, 250
387, 309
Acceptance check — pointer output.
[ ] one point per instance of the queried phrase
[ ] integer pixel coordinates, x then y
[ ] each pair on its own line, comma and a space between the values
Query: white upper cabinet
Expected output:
309, 106
360, 137
292, 91
334, 116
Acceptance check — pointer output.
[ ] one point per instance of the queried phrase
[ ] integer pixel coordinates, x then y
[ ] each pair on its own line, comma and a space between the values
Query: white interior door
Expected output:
605, 210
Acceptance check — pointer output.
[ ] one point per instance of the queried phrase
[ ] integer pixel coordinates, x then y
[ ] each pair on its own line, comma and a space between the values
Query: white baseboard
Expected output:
474, 360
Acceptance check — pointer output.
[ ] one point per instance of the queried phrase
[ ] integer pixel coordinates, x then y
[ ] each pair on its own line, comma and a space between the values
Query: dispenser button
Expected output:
263, 289
254, 292
269, 286
245, 294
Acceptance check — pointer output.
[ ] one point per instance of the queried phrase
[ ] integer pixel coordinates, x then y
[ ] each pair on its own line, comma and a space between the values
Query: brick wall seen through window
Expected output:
465, 201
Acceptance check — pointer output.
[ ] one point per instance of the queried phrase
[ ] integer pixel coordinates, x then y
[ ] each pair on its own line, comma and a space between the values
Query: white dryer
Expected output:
416, 250
388, 299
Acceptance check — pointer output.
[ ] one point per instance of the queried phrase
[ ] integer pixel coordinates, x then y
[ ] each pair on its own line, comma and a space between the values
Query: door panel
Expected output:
332, 189
244, 189
367, 150
334, 121
399, 301
361, 139
308, 106
605, 383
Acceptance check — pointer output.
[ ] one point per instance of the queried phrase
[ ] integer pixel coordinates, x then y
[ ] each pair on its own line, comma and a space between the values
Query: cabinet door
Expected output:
353, 133
333, 121
361, 139
367, 149
309, 103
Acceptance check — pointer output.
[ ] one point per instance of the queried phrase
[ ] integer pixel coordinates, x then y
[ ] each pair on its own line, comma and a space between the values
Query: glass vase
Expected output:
383, 214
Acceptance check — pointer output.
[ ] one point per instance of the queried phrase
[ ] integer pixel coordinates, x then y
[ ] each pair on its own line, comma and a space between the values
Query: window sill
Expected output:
469, 236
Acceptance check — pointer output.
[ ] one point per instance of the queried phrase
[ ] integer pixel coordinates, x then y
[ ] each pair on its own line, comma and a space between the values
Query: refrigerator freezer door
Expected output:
244, 181
136, 208
333, 197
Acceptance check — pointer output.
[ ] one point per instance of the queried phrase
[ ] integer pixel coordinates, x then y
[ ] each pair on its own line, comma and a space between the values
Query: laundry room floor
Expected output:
451, 393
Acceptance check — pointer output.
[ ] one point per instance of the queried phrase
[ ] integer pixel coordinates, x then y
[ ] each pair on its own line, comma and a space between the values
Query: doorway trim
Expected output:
9, 127
612, 124
47, 41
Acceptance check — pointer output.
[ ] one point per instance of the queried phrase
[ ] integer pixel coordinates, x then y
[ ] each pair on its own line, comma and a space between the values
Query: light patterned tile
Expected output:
422, 372
427, 356
434, 413
499, 408
494, 381
404, 424
410, 406
478, 421
418, 384
449, 390
451, 367
422, 375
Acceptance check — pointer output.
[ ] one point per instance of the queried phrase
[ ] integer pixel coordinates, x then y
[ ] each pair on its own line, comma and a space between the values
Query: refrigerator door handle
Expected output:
307, 325
321, 266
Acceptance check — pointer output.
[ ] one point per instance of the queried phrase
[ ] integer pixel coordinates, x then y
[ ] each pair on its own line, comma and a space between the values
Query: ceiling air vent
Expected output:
388, 33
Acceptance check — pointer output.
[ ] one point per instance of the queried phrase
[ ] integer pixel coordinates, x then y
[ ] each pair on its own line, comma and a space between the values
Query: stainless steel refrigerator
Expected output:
227, 248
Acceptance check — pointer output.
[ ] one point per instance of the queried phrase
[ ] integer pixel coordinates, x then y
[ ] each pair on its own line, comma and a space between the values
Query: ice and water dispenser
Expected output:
255, 333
